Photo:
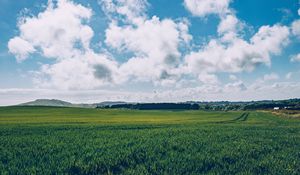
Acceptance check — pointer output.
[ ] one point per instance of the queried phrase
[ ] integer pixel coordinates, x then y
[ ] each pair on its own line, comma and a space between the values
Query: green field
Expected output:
52, 140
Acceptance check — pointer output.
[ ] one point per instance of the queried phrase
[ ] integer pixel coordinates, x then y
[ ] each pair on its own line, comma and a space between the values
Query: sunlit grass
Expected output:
48, 140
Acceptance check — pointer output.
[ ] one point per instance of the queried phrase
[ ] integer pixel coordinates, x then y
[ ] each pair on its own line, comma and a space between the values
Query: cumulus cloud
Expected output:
270, 77
295, 58
228, 24
151, 47
20, 48
206, 7
60, 26
230, 52
289, 75
296, 28
153, 38
61, 32
208, 78
233, 77
239, 55
132, 11
87, 71
235, 86
154, 43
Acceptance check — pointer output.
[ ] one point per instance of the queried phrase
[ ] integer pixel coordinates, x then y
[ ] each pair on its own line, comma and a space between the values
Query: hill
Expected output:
60, 103
47, 102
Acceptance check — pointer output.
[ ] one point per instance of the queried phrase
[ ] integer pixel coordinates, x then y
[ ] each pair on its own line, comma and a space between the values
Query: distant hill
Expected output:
60, 103
48, 102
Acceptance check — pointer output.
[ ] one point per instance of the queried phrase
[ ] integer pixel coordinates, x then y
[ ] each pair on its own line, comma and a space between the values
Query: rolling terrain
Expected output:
62, 140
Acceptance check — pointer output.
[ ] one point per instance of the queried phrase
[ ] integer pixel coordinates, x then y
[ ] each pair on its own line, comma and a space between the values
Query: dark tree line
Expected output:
155, 106
292, 104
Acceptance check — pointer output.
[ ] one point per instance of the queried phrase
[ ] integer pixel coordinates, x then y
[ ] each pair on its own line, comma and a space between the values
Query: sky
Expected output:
87, 51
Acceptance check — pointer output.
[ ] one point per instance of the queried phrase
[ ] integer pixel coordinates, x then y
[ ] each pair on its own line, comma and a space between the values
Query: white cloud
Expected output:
87, 71
208, 78
233, 77
296, 28
289, 75
154, 38
230, 52
228, 24
61, 32
235, 86
56, 28
270, 77
238, 55
20, 48
203, 8
155, 45
295, 58
230, 27
271, 39
264, 81
132, 11
233, 92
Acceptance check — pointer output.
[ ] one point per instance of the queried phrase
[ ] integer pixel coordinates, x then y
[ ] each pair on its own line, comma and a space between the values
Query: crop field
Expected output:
53, 140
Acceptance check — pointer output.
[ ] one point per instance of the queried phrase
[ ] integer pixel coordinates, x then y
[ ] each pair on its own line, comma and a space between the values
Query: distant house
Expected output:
276, 108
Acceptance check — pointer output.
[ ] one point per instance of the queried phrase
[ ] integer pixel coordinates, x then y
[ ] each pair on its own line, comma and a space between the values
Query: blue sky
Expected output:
155, 50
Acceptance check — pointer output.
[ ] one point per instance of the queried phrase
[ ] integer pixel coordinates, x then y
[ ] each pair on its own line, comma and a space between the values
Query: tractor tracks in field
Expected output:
242, 118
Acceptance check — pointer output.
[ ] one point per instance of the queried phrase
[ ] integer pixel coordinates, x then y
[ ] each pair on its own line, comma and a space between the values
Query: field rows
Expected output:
40, 140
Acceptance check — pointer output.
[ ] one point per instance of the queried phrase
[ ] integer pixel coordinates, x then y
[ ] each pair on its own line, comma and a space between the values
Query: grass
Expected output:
51, 140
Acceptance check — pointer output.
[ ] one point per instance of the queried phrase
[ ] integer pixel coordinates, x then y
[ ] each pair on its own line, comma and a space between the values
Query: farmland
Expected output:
59, 140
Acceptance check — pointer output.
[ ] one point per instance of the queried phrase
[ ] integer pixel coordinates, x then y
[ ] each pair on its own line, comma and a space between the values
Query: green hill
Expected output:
48, 102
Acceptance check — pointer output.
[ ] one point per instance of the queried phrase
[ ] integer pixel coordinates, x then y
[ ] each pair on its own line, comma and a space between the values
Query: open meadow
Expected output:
57, 140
